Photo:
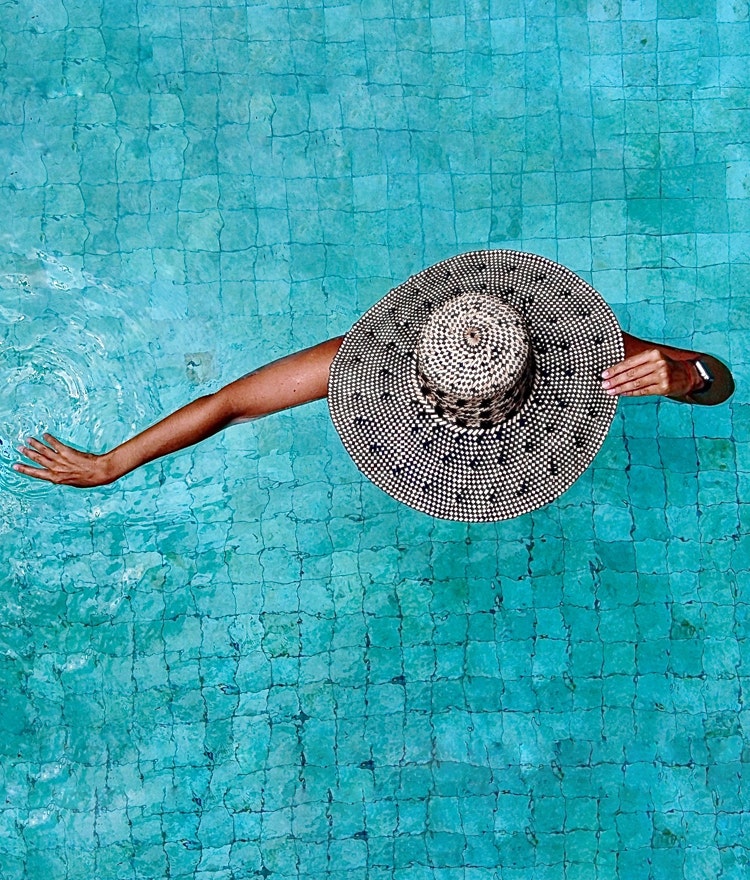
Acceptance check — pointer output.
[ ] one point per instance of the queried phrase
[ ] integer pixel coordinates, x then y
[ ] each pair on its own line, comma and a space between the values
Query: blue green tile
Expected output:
246, 659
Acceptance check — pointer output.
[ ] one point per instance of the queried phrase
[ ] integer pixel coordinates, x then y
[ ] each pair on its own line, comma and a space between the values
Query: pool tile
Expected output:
283, 669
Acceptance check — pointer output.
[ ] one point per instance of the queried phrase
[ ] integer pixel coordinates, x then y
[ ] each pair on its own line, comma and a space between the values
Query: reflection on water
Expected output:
75, 361
93, 363
45, 390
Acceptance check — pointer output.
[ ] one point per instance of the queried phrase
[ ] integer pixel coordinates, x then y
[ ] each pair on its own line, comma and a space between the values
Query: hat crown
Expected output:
475, 363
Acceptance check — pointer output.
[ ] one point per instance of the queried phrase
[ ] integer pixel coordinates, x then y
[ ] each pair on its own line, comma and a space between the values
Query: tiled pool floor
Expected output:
247, 661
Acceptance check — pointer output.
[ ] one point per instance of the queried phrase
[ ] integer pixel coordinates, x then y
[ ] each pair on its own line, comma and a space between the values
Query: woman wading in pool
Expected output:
429, 329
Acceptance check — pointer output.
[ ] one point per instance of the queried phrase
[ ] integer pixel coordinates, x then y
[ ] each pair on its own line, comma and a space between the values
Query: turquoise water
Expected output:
245, 660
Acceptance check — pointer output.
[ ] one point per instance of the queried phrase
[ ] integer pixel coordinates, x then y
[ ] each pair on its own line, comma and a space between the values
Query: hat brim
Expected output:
469, 474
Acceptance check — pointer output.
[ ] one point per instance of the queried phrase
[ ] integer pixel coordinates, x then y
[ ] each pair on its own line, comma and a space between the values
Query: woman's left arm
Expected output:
652, 368
293, 380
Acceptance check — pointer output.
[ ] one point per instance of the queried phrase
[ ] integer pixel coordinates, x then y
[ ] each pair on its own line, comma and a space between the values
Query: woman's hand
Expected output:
652, 372
58, 463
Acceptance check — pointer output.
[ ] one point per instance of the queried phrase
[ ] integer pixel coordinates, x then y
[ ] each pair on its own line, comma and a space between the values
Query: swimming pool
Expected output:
245, 659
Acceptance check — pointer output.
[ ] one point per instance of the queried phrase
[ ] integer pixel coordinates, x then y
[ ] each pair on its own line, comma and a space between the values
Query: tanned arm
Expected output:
293, 380
652, 368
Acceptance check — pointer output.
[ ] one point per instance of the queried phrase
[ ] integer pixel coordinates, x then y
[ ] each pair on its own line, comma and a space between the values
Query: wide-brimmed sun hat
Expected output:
473, 390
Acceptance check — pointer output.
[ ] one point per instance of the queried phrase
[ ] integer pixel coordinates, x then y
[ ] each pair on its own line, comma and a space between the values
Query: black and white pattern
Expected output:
472, 391
474, 360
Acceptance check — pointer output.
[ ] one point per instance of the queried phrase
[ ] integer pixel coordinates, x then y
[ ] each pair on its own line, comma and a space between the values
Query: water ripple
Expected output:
92, 362
75, 361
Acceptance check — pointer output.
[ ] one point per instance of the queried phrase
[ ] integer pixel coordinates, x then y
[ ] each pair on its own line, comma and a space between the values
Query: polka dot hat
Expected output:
472, 391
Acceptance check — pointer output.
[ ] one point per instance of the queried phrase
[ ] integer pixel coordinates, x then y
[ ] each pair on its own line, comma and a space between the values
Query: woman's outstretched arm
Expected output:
651, 368
298, 378
648, 368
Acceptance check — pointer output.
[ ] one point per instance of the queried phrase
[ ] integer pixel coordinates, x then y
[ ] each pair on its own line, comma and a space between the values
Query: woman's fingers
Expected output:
37, 451
637, 388
650, 372
634, 362
41, 455
54, 443
37, 473
58, 463
638, 379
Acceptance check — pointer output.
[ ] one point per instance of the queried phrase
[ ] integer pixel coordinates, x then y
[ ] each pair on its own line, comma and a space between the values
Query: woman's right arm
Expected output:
654, 368
293, 380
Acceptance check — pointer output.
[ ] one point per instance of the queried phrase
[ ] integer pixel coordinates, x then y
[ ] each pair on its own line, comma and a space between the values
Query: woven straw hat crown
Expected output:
475, 363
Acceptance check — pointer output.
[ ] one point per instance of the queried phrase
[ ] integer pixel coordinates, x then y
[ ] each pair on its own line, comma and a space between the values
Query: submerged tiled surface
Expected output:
245, 660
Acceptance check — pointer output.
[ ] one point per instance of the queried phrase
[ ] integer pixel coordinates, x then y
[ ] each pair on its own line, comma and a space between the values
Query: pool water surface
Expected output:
245, 660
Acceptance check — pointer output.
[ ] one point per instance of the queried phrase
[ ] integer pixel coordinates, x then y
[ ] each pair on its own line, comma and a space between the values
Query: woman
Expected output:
647, 368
